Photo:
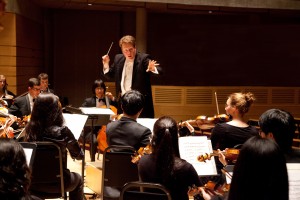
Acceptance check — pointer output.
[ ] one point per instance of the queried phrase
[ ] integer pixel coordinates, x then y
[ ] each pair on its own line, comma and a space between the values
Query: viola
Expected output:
139, 153
230, 154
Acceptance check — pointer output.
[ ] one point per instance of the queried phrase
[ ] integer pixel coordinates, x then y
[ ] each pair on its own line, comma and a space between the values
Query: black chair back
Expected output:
47, 172
117, 170
145, 191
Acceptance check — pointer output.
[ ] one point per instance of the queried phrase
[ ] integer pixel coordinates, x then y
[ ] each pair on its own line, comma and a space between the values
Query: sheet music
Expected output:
191, 147
96, 111
75, 122
28, 154
294, 180
148, 122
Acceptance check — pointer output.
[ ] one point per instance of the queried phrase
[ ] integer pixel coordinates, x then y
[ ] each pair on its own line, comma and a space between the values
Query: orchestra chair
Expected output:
47, 171
144, 190
29, 150
117, 169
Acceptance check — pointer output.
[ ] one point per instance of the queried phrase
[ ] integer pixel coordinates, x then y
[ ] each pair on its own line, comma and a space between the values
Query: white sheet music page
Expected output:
294, 180
75, 122
148, 122
96, 111
28, 154
191, 147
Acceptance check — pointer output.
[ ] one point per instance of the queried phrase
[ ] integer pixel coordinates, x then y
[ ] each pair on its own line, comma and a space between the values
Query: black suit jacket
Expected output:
127, 132
140, 79
91, 102
20, 107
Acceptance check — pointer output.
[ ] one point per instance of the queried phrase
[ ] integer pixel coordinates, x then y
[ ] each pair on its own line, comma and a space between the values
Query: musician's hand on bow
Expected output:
12, 118
222, 157
110, 96
190, 127
152, 66
206, 194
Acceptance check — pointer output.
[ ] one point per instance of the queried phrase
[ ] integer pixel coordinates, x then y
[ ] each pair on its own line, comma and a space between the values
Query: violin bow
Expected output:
217, 103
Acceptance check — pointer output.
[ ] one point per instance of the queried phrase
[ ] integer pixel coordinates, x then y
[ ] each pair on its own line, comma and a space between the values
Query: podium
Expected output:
93, 117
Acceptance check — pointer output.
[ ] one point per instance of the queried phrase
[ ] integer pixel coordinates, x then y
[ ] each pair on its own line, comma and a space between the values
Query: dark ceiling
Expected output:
153, 6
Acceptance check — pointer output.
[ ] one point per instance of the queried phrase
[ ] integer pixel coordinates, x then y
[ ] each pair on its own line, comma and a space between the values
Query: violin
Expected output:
139, 153
230, 154
210, 187
205, 123
22, 122
6, 131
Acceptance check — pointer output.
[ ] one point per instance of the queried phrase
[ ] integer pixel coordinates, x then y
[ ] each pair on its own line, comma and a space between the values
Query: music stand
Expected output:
75, 122
96, 116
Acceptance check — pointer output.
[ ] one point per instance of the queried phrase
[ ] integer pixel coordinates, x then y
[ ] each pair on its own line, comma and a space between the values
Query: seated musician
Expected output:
126, 131
100, 99
237, 131
23, 104
44, 83
260, 173
164, 164
5, 95
47, 124
279, 125
15, 173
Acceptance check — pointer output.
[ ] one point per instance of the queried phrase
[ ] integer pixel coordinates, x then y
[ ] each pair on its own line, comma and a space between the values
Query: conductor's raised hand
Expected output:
152, 66
105, 59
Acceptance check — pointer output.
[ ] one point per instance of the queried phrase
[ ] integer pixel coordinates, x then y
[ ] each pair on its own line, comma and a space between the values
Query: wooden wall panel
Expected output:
8, 50
30, 40
188, 105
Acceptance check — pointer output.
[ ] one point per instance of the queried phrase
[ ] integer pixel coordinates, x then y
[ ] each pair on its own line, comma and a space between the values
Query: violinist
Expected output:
260, 173
164, 164
47, 124
100, 98
44, 83
5, 95
126, 131
279, 125
23, 104
236, 131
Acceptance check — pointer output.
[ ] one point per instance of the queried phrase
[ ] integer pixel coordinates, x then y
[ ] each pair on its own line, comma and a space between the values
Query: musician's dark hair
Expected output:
132, 102
98, 83
33, 82
15, 173
281, 124
46, 112
165, 146
260, 165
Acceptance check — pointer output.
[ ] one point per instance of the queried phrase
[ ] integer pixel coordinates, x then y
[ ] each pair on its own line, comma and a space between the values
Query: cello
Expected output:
101, 136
